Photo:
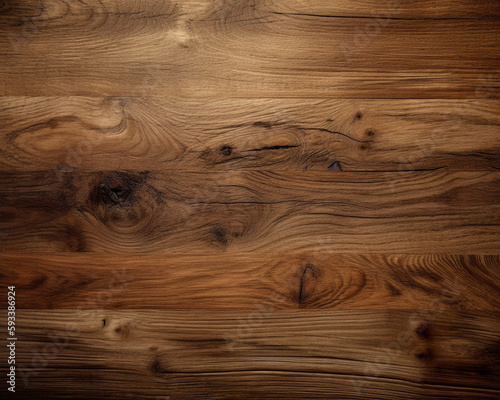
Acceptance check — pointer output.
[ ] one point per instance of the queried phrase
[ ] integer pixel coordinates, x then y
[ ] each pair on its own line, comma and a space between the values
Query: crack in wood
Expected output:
302, 295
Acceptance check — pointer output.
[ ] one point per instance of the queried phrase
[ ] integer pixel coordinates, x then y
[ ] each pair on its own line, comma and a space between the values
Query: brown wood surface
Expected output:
318, 355
251, 199
64, 133
249, 48
250, 212
277, 281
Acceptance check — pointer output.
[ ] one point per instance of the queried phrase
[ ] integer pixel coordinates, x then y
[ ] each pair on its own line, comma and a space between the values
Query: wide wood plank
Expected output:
63, 133
270, 282
318, 355
250, 211
249, 48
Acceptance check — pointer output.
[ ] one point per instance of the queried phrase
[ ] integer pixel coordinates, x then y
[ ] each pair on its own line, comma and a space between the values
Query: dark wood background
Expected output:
254, 199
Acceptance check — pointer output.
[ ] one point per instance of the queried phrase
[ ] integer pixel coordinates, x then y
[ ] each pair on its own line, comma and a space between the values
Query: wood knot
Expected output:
125, 200
305, 288
422, 330
335, 166
114, 195
219, 234
156, 367
426, 355
123, 330
116, 189
226, 150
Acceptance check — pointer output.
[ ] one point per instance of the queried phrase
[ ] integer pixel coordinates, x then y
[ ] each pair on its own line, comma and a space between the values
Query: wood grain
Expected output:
248, 48
264, 283
251, 199
318, 355
274, 134
249, 211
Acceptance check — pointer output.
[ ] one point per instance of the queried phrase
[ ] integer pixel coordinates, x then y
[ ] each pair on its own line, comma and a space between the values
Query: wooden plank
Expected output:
318, 355
273, 134
270, 282
250, 211
424, 9
405, 9
246, 48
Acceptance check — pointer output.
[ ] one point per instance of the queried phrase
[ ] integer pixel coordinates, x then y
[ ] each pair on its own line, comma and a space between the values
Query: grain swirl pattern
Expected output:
237, 281
292, 134
250, 211
319, 355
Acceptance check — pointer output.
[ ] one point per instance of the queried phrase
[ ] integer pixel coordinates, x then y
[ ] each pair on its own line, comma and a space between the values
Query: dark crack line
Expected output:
282, 147
335, 133
302, 278
388, 18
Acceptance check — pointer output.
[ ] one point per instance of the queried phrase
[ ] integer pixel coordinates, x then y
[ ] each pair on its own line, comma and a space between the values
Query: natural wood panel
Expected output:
251, 199
245, 48
195, 354
270, 282
247, 385
405, 9
118, 211
408, 9
277, 134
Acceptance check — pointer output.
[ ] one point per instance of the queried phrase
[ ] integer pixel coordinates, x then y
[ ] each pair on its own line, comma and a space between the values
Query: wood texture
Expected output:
187, 354
271, 282
248, 48
251, 199
273, 134
256, 212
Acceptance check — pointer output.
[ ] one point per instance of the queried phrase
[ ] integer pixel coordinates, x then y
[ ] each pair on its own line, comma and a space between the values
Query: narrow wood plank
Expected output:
424, 9
285, 134
318, 355
249, 48
250, 211
318, 280
406, 9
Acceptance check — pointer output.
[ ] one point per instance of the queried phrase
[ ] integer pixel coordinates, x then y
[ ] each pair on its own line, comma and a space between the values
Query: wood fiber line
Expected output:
189, 354
251, 211
269, 282
273, 134
247, 48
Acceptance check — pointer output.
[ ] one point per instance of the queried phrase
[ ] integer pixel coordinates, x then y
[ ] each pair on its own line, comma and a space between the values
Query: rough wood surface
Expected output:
270, 282
229, 354
248, 48
251, 199
275, 134
260, 212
